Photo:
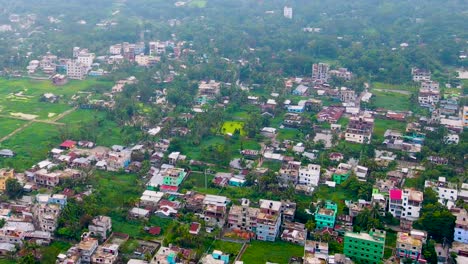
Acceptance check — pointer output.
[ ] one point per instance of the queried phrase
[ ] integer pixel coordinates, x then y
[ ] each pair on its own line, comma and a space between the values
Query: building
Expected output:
408, 246
465, 116
268, 220
243, 217
461, 227
115, 49
215, 210
86, 248
5, 174
76, 70
85, 58
330, 114
288, 12
365, 247
347, 96
420, 75
294, 233
360, 129
301, 90
100, 227
428, 98
325, 215
156, 48
320, 72
309, 175
342, 73
105, 254
47, 216
446, 191
342, 173
405, 203
173, 177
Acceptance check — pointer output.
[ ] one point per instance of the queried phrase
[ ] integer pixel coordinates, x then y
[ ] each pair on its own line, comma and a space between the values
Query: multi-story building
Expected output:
294, 233
430, 85
157, 48
76, 70
115, 49
268, 220
446, 191
288, 12
405, 203
360, 129
87, 247
408, 246
5, 174
465, 116
289, 173
105, 254
420, 75
100, 227
365, 247
309, 175
320, 72
45, 178
243, 217
174, 177
428, 98
85, 59
461, 227
342, 73
47, 216
342, 173
325, 215
214, 210
347, 96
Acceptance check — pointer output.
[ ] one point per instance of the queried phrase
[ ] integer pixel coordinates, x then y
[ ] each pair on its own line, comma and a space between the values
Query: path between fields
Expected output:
23, 127
393, 91
241, 252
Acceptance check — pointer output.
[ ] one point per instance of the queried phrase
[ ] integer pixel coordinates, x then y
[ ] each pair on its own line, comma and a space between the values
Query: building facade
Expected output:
365, 247
325, 215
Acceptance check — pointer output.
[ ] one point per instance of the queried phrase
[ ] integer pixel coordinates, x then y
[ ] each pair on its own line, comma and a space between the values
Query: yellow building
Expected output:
5, 174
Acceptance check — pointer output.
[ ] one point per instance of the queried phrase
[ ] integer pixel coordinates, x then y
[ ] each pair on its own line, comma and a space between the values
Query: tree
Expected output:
13, 189
438, 221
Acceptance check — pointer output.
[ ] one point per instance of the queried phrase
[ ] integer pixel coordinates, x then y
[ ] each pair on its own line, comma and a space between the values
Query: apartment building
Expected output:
461, 227
243, 217
309, 175
325, 215
268, 220
446, 191
100, 227
408, 246
360, 129
420, 75
405, 203
288, 12
214, 210
342, 73
76, 70
320, 72
47, 216
365, 247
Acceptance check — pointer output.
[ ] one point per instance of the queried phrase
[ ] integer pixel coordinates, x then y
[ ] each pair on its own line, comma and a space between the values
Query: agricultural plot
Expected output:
230, 127
395, 101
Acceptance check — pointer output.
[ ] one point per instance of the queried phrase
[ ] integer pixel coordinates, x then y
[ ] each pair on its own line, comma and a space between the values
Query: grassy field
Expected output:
8, 125
392, 100
381, 125
198, 3
259, 252
229, 127
227, 247
23, 96
387, 86
49, 253
31, 145
337, 195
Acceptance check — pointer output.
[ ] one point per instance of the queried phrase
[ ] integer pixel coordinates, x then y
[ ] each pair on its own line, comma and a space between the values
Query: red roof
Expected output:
68, 144
169, 188
194, 227
395, 194
155, 230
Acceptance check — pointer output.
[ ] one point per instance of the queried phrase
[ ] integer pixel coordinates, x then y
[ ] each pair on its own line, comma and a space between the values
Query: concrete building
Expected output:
465, 116
342, 73
100, 226
309, 175
405, 203
365, 247
243, 217
320, 72
268, 220
360, 129
342, 173
76, 70
214, 210
5, 174
325, 215
420, 75
408, 246
461, 227
288, 12
446, 191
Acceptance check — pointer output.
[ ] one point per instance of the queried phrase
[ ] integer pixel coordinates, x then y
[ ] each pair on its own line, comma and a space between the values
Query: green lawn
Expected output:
49, 253
337, 195
229, 127
23, 96
8, 125
288, 133
381, 125
259, 252
392, 100
31, 145
227, 247
387, 86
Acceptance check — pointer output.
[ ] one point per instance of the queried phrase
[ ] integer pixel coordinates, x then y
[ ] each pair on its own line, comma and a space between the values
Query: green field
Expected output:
259, 252
230, 248
381, 125
198, 3
31, 145
229, 127
8, 125
22, 96
392, 100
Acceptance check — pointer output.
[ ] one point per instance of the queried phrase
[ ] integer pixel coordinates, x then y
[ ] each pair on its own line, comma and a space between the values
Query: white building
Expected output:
288, 12
115, 49
85, 59
447, 191
309, 175
156, 48
76, 70
405, 203
461, 227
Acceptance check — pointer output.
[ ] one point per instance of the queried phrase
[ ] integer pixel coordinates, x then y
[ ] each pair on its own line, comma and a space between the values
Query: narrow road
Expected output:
241, 252
23, 127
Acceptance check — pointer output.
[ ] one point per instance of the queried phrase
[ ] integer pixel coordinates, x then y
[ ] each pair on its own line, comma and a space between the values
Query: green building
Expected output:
325, 216
173, 177
342, 173
365, 247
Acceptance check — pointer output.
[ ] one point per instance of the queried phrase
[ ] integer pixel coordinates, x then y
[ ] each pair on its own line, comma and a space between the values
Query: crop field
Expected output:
392, 100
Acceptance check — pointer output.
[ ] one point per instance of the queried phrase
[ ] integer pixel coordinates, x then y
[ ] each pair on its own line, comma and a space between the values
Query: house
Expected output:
296, 109
316, 252
100, 227
341, 73
194, 228
320, 72
330, 114
107, 253
243, 217
360, 129
150, 199
172, 178
428, 98
325, 215
420, 75
87, 247
6, 153
405, 203
461, 227
268, 132
365, 247
215, 210
347, 96
68, 144
294, 232
301, 90
5, 174
7, 249
408, 246
47, 216
361, 172
446, 191
76, 70
139, 213
288, 12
